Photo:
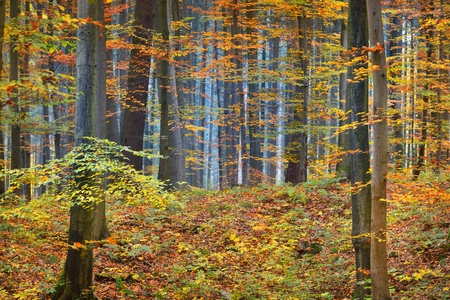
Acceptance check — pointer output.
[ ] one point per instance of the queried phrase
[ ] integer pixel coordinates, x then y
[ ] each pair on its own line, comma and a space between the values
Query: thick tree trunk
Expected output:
357, 93
296, 171
378, 255
75, 281
100, 228
171, 166
135, 110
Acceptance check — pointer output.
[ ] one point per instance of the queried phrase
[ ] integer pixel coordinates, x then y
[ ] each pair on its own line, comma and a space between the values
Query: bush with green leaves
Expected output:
104, 171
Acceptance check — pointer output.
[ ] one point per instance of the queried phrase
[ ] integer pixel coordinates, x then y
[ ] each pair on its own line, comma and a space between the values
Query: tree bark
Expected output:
296, 171
75, 281
100, 228
428, 32
254, 105
2, 144
343, 166
135, 110
14, 77
378, 255
357, 94
171, 165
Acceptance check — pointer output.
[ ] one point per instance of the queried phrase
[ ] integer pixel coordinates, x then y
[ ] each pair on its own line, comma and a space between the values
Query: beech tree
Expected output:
76, 279
172, 163
135, 108
378, 255
14, 78
2, 144
357, 93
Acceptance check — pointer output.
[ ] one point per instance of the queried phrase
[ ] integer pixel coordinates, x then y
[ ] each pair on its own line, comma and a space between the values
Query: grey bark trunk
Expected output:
171, 166
99, 227
2, 143
297, 166
14, 76
343, 167
357, 94
135, 110
254, 105
76, 278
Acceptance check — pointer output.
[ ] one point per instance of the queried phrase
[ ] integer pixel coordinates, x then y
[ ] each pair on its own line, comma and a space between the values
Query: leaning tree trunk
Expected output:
378, 257
357, 94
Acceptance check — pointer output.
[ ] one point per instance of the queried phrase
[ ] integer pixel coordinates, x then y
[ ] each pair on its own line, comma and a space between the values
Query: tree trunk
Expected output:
76, 279
428, 32
171, 165
343, 167
135, 110
378, 256
254, 105
14, 76
2, 144
357, 93
394, 51
100, 228
296, 171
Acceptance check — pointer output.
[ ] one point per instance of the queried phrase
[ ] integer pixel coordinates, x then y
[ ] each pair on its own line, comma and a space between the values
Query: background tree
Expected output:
14, 78
135, 108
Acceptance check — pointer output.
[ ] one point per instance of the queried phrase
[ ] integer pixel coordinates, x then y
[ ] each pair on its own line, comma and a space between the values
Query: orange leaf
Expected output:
34, 24
78, 245
112, 241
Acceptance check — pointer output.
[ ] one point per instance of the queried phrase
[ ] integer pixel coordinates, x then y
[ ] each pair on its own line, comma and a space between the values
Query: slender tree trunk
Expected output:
2, 143
304, 134
378, 255
428, 32
357, 93
254, 105
394, 50
344, 165
135, 110
271, 114
14, 76
25, 136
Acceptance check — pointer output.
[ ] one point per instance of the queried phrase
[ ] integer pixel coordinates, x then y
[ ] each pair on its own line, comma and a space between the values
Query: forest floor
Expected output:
265, 242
